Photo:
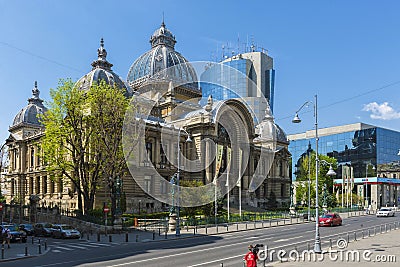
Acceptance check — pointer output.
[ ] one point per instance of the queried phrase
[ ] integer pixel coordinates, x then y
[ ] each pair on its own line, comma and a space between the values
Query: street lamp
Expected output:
296, 119
188, 140
366, 183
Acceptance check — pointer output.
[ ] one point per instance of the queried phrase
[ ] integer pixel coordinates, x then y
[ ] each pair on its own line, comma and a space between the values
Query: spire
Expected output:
163, 24
268, 113
35, 92
101, 61
35, 99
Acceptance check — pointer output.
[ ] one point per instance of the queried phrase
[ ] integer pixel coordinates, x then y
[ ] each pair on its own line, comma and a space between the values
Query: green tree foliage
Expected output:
306, 169
79, 145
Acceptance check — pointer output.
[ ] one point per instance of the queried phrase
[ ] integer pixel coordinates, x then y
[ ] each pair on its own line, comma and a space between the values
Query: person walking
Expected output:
251, 257
6, 236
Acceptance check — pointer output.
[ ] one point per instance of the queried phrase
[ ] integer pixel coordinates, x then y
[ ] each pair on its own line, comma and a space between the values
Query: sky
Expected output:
346, 52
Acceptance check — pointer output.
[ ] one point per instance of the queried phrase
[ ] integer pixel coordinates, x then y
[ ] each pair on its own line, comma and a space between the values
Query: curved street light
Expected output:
188, 140
296, 119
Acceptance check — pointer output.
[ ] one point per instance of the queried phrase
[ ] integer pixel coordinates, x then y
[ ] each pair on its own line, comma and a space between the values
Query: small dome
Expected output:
101, 71
161, 57
29, 114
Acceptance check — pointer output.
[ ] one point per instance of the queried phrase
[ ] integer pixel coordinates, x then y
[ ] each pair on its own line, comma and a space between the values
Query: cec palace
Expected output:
218, 121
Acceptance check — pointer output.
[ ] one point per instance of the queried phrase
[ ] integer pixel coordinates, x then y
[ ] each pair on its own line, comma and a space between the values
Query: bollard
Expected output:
386, 227
159, 231
355, 236
246, 225
217, 228
166, 236
222, 265
308, 246
291, 219
137, 238
126, 237
381, 228
277, 222
26, 249
363, 234
237, 226
374, 231
206, 229
110, 238
330, 242
348, 238
227, 228
2, 251
45, 244
262, 224
194, 231
87, 236
154, 235
98, 236
255, 225
40, 248
269, 222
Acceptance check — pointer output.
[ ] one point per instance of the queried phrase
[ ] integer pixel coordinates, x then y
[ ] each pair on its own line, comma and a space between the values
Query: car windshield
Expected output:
67, 227
327, 216
385, 209
48, 225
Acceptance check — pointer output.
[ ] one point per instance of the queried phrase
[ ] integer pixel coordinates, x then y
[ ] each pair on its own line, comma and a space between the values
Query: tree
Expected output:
76, 147
302, 177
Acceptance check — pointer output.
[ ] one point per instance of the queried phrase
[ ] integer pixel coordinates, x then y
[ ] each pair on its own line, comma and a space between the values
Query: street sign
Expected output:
106, 210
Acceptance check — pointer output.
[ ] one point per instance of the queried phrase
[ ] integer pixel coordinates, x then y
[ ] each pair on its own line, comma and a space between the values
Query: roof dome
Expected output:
101, 71
161, 57
29, 114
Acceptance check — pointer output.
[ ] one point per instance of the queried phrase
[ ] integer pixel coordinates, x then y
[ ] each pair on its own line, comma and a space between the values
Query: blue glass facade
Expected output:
375, 146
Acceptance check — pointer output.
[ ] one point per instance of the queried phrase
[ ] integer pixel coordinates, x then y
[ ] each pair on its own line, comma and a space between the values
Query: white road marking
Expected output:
72, 246
286, 239
56, 250
64, 248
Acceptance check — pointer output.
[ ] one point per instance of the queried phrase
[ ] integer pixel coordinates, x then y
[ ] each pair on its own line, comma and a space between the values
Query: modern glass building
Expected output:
368, 160
248, 76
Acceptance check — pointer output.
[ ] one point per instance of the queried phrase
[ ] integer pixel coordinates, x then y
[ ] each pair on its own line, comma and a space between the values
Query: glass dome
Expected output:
29, 114
101, 71
161, 57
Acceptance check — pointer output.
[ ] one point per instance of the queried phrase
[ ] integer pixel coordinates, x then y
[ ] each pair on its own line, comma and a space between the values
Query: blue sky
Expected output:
347, 52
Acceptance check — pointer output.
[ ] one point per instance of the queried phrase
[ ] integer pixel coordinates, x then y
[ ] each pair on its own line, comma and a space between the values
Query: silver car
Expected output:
385, 212
65, 231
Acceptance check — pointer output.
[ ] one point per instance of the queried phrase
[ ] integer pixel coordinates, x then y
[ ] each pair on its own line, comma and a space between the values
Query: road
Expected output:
200, 251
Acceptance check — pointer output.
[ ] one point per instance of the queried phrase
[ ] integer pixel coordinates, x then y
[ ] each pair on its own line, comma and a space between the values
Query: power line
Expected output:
41, 57
347, 99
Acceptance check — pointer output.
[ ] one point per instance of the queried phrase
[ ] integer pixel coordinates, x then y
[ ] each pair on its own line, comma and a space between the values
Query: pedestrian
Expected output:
251, 257
6, 236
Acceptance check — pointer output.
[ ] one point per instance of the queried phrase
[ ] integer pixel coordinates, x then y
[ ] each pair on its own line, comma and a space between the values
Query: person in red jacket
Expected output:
251, 257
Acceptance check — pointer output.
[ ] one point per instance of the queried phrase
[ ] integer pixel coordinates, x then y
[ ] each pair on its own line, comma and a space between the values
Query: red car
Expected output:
330, 219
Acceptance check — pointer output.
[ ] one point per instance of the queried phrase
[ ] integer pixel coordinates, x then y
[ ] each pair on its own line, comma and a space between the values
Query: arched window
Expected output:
32, 156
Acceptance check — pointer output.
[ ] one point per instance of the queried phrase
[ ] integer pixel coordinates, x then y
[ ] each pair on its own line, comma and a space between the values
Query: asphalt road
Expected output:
199, 251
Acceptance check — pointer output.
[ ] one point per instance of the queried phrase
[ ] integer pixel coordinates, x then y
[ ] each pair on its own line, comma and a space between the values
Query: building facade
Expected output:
367, 157
174, 100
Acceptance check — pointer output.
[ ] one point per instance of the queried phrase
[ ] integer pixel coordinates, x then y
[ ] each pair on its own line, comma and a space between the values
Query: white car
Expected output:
385, 212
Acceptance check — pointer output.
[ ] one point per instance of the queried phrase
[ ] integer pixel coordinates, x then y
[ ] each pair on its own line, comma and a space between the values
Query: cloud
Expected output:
381, 111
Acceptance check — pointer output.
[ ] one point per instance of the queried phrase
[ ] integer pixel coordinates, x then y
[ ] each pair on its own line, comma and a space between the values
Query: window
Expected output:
32, 157
37, 185
148, 184
44, 184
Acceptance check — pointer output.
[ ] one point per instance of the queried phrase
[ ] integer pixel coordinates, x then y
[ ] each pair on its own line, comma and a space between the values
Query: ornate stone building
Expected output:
164, 80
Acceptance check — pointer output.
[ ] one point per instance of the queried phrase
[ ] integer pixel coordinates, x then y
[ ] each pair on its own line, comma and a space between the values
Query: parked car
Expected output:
65, 231
43, 229
27, 228
17, 235
385, 212
330, 219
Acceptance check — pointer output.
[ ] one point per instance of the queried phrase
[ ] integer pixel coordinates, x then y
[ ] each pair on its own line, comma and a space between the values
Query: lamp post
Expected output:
366, 202
296, 119
178, 202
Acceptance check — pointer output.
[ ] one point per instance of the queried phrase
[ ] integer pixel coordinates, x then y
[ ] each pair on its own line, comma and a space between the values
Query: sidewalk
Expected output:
381, 248
24, 250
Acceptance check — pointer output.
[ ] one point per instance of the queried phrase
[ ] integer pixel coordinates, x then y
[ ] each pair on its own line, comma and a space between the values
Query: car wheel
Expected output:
331, 224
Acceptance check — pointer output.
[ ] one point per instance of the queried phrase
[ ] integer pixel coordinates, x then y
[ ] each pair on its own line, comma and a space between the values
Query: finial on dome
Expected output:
101, 52
35, 91
163, 24
268, 113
